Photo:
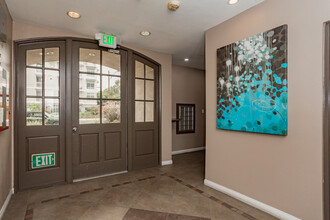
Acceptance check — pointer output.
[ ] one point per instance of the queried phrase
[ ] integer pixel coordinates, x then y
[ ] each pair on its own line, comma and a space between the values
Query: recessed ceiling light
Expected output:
145, 33
173, 5
73, 14
186, 59
232, 2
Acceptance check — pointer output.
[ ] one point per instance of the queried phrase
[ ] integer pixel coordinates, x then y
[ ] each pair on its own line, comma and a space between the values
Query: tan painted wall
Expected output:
5, 136
188, 87
25, 31
284, 172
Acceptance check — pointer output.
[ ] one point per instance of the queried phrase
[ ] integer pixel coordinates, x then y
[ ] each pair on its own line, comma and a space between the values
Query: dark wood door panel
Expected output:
89, 148
41, 113
144, 142
108, 127
112, 145
100, 115
39, 145
144, 114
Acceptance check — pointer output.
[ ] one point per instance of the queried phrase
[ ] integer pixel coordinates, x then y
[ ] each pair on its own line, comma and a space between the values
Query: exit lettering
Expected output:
108, 40
43, 160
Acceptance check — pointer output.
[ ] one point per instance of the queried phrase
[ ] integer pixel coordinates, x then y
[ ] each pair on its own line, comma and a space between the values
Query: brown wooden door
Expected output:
99, 110
41, 114
144, 114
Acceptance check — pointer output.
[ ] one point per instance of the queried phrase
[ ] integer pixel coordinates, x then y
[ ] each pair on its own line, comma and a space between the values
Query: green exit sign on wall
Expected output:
42, 160
106, 40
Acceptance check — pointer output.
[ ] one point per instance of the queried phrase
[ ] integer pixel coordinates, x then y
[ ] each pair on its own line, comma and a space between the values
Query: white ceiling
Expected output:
179, 33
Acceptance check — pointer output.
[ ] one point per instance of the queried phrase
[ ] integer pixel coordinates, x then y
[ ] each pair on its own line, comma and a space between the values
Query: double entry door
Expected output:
83, 111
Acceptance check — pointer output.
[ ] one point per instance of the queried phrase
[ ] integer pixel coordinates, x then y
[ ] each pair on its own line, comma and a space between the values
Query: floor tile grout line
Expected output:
230, 207
30, 207
171, 205
29, 210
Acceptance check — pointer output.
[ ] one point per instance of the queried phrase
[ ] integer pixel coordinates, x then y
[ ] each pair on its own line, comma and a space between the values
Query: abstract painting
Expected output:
252, 86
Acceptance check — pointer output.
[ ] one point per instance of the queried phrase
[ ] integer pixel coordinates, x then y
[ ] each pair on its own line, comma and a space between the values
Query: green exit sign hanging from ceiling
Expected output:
106, 40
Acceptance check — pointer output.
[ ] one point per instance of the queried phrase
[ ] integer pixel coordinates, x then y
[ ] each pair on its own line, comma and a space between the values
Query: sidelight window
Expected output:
144, 93
42, 87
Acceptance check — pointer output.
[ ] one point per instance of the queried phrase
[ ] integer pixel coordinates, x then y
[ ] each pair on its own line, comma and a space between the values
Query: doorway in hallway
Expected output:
83, 111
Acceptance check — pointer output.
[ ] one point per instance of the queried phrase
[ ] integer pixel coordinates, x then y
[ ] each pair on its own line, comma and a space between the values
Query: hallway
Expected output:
168, 192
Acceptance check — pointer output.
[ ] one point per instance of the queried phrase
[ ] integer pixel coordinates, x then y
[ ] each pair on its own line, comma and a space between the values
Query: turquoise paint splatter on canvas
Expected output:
252, 84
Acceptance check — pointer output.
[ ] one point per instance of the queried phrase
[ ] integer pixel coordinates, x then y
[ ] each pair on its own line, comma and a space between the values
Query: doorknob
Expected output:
74, 129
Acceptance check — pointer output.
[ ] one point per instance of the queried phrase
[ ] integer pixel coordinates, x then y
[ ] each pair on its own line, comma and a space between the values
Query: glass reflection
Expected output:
110, 63
89, 60
150, 90
111, 112
34, 58
149, 111
33, 111
33, 82
139, 69
89, 112
89, 86
110, 87
149, 72
52, 112
52, 82
52, 58
139, 111
139, 89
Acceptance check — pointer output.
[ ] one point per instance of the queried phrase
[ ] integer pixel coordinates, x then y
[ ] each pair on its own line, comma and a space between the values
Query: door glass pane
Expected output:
89, 112
150, 90
52, 58
139, 69
33, 111
149, 72
110, 87
52, 112
149, 111
52, 83
139, 89
139, 111
110, 63
33, 82
34, 58
111, 112
89, 60
89, 86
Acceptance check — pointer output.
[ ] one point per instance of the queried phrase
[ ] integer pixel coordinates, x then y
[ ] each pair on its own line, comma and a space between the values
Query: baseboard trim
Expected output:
188, 150
252, 202
96, 177
167, 162
6, 203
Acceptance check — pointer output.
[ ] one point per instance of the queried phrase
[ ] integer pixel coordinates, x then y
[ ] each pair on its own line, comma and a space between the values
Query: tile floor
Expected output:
174, 192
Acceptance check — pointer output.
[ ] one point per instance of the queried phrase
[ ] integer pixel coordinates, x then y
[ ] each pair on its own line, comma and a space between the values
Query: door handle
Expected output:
74, 129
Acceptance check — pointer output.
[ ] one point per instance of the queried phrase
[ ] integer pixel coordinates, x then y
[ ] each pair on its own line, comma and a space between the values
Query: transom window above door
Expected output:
99, 87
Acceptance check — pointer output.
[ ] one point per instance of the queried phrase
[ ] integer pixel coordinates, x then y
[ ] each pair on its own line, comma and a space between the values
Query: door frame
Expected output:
68, 97
326, 123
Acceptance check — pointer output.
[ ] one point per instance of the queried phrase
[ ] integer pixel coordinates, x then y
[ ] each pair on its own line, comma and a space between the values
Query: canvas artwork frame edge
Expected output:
286, 28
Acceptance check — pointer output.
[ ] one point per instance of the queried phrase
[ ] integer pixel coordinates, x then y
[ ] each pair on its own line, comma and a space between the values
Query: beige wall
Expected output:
188, 87
5, 136
25, 31
284, 172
